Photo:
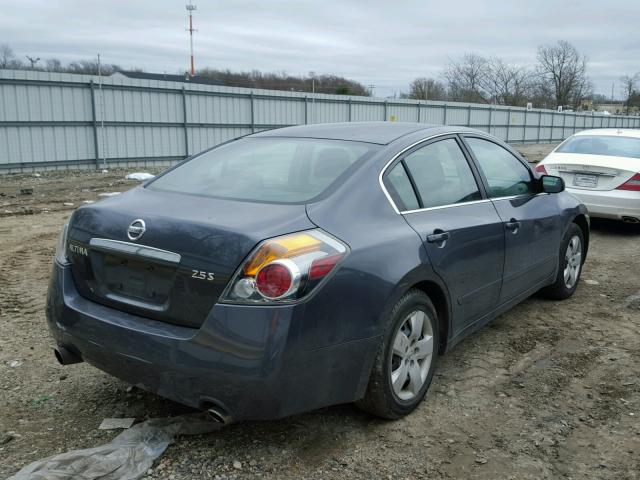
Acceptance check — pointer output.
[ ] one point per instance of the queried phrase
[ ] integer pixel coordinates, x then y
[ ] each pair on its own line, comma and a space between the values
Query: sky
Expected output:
381, 43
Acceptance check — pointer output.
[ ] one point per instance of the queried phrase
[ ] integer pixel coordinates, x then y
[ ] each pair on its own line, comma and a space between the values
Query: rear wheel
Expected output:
570, 267
406, 359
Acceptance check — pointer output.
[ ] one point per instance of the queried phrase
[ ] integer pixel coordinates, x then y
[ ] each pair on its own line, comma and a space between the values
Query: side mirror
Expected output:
552, 184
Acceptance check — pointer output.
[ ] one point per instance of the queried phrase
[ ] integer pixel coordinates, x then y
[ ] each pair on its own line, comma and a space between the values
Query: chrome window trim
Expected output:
135, 249
450, 205
395, 157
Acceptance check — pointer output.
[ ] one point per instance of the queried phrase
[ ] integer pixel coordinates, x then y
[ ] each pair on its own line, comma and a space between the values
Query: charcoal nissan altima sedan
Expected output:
309, 266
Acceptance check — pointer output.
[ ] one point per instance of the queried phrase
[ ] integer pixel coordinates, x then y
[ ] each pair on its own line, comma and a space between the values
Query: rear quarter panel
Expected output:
386, 258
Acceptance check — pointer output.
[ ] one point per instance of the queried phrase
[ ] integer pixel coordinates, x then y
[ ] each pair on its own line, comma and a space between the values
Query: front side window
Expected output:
505, 174
279, 170
441, 174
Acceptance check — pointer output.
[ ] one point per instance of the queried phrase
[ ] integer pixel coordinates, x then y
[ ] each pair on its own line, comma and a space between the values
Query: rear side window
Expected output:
602, 145
279, 170
505, 174
442, 175
401, 189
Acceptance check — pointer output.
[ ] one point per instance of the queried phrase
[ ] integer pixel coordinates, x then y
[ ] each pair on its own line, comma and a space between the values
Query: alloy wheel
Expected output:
411, 355
573, 262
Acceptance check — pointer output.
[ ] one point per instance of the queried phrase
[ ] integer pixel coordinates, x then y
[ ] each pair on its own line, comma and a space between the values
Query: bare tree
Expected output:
562, 73
508, 84
427, 89
629, 88
8, 58
465, 78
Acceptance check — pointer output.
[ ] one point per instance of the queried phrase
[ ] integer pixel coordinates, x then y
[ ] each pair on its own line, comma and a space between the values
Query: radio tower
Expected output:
190, 9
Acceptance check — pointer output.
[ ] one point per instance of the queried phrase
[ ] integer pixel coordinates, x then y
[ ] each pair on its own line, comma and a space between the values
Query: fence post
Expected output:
184, 122
508, 125
469, 116
445, 114
306, 110
539, 124
564, 123
385, 110
253, 113
96, 150
490, 118
349, 108
524, 128
419, 109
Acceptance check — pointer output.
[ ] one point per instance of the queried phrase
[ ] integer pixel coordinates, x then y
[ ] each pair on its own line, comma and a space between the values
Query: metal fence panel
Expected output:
53, 120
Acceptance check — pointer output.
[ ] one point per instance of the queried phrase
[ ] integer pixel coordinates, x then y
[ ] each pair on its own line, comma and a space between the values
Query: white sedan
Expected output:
602, 168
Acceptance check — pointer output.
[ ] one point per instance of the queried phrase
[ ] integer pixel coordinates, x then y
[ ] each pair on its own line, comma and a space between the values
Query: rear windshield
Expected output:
602, 145
279, 170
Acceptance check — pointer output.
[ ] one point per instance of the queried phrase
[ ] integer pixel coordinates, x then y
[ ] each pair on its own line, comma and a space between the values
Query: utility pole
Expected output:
613, 84
190, 9
371, 89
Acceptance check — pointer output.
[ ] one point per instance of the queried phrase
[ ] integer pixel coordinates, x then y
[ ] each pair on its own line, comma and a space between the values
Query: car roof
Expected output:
616, 132
381, 133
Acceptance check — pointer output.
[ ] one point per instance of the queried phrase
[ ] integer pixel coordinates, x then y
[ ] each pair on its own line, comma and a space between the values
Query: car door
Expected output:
531, 218
438, 192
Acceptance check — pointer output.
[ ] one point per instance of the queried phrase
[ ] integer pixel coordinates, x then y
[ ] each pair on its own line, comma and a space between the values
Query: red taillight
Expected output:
632, 184
274, 280
541, 169
322, 266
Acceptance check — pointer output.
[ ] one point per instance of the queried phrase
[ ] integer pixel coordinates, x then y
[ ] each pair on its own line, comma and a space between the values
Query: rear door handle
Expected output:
438, 237
512, 225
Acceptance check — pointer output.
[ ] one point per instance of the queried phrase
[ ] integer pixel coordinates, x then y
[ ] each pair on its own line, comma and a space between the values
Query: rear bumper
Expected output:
243, 358
614, 204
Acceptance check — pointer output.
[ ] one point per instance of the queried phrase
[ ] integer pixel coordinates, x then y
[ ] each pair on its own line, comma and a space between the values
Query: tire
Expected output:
417, 357
562, 288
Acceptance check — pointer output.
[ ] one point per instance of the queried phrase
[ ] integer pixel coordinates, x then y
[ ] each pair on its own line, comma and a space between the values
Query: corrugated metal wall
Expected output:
52, 120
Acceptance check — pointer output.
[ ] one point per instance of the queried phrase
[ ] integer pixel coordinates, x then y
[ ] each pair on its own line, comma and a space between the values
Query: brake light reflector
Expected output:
285, 269
632, 184
274, 280
541, 169
323, 266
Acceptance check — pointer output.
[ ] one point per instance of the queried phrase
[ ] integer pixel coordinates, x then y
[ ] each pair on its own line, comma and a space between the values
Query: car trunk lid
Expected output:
180, 265
591, 172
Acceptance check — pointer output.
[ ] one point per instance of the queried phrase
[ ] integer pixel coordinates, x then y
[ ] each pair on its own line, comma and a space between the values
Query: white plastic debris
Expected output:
109, 194
127, 457
105, 171
139, 176
88, 202
592, 282
116, 423
14, 363
68, 204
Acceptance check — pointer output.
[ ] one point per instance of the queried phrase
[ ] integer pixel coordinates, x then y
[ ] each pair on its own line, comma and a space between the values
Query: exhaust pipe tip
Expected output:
66, 356
219, 415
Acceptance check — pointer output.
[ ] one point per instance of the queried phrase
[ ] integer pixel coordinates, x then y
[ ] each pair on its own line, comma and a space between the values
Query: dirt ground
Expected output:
548, 390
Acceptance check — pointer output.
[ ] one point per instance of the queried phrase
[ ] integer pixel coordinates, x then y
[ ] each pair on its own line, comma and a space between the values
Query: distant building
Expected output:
614, 108
186, 78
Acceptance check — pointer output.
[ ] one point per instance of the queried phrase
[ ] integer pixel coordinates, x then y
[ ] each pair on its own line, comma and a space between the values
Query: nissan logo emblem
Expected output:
136, 229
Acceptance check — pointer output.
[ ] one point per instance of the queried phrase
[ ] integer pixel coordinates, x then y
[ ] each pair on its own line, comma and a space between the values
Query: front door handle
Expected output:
438, 237
512, 225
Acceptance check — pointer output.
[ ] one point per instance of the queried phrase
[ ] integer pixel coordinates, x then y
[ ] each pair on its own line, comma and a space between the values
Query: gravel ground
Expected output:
548, 390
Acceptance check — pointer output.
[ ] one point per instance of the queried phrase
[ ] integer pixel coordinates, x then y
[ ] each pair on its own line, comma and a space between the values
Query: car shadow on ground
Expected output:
615, 227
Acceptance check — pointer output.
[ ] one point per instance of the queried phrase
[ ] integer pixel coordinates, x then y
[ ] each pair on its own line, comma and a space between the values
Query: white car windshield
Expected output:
602, 145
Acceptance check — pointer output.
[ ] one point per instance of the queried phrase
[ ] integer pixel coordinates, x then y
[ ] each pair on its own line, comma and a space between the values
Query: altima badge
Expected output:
136, 229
